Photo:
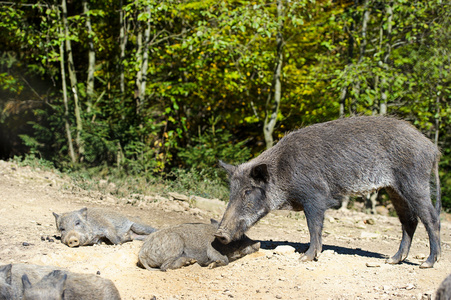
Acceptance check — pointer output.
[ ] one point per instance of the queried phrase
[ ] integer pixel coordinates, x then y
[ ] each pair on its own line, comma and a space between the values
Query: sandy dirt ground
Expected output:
352, 265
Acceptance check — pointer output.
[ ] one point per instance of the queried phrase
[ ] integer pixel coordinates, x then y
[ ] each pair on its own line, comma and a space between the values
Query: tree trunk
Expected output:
66, 105
122, 44
343, 93
437, 120
437, 108
145, 59
344, 89
139, 42
362, 51
91, 58
366, 18
383, 101
73, 79
271, 117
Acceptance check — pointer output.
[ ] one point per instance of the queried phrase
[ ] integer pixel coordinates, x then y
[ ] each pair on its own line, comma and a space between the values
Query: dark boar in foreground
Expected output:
89, 226
60, 284
313, 168
49, 282
185, 244
6, 290
444, 290
51, 287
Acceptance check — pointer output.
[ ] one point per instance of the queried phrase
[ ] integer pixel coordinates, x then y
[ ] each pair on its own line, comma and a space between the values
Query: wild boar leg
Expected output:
113, 237
182, 261
409, 223
142, 229
217, 258
315, 218
410, 204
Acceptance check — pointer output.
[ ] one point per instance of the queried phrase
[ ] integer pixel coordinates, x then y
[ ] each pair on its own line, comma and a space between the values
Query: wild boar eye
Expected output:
77, 223
247, 192
62, 229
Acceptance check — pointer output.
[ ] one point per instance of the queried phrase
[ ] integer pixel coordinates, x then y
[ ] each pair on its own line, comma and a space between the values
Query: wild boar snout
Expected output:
72, 239
223, 236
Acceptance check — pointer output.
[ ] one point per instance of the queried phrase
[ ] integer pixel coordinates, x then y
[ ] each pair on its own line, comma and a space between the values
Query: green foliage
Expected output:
210, 67
34, 162
210, 146
208, 184
32, 143
117, 182
445, 179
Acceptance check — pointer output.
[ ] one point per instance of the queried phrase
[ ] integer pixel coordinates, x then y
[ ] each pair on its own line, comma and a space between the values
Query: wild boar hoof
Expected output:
308, 257
190, 262
429, 263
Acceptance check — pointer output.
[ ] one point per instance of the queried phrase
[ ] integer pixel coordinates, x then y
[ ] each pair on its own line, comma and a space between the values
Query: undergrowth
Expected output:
109, 180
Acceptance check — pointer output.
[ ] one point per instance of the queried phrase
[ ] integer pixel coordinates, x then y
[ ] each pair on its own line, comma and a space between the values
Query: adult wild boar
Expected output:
311, 169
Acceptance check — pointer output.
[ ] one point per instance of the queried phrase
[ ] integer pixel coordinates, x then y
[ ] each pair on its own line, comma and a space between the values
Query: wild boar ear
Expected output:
260, 173
26, 282
59, 278
56, 216
84, 212
6, 270
229, 168
62, 283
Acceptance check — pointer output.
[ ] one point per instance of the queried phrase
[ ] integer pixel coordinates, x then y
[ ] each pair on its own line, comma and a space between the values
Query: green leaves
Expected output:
210, 64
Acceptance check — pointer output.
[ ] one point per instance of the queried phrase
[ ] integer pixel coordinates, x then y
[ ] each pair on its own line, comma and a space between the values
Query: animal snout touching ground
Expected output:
223, 236
72, 239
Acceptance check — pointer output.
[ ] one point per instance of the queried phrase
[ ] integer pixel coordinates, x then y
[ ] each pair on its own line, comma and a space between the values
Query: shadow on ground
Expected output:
301, 248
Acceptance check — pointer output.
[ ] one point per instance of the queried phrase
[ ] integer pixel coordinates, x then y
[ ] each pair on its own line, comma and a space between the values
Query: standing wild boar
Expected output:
89, 226
311, 169
185, 244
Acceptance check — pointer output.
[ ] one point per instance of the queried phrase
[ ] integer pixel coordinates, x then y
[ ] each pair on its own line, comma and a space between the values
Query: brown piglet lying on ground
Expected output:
185, 244
89, 226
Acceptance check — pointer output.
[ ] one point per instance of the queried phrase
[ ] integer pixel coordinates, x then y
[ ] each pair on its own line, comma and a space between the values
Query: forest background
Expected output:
149, 91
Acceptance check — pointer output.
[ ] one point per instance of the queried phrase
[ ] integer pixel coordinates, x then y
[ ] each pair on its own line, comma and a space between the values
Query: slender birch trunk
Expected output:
366, 18
139, 42
73, 79
437, 120
122, 45
66, 105
143, 48
271, 117
383, 101
362, 52
344, 89
91, 58
437, 109
145, 64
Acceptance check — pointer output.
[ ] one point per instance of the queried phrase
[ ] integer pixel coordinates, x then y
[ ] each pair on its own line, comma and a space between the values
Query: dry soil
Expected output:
352, 265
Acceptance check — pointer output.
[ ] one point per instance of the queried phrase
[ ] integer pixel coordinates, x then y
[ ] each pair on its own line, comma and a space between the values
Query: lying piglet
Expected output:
89, 226
185, 244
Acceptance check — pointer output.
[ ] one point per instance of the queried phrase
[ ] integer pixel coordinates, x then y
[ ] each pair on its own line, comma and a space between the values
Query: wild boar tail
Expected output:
143, 264
435, 187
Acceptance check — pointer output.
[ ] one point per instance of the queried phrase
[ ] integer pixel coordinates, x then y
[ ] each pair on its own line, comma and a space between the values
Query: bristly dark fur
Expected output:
312, 168
444, 290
